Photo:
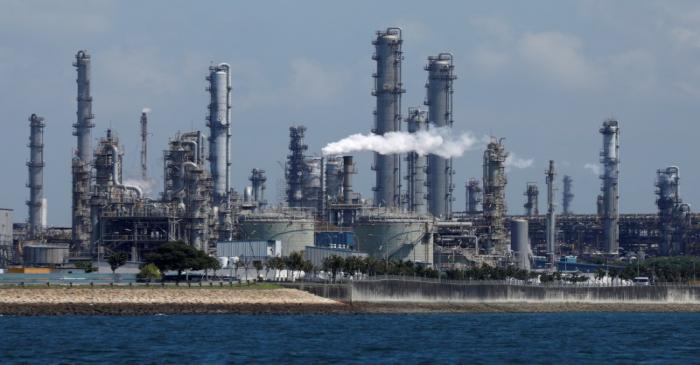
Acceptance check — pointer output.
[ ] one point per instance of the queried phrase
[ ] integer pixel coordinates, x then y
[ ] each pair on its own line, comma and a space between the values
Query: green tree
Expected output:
257, 264
117, 260
276, 263
149, 272
176, 256
294, 262
85, 265
334, 264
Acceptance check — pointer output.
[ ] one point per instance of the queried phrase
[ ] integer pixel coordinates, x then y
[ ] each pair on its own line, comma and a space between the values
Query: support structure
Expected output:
439, 101
416, 165
609, 157
532, 205
674, 215
550, 174
387, 90
81, 163
257, 181
37, 206
296, 166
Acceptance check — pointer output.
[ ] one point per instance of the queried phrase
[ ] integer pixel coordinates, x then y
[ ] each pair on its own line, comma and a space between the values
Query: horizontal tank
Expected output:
294, 231
39, 254
404, 237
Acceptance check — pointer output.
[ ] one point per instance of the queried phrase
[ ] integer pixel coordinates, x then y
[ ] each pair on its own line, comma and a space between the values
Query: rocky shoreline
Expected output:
170, 301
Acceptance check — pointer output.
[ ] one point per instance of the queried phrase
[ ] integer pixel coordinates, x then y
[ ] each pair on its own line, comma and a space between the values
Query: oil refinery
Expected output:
411, 214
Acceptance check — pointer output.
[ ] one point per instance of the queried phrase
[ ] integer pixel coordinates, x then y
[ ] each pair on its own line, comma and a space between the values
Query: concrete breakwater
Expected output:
408, 291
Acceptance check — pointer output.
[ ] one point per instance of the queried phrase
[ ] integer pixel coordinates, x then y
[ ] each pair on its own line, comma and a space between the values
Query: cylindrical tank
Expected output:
294, 231
85, 116
395, 236
36, 175
520, 243
348, 170
36, 254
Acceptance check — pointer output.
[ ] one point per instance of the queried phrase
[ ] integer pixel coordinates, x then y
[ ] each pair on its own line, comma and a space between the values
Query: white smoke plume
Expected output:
146, 110
595, 168
513, 161
437, 141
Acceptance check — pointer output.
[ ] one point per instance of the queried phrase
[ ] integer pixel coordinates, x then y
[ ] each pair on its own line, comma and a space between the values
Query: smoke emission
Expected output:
595, 168
146, 110
513, 161
437, 141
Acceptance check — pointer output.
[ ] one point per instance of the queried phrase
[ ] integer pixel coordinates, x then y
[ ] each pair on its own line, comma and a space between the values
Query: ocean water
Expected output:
557, 338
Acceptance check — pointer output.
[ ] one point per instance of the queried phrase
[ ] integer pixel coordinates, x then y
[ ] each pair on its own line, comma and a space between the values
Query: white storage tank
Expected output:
395, 236
293, 229
39, 254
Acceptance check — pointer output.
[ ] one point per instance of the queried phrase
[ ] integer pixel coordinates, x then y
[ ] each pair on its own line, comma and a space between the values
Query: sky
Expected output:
543, 75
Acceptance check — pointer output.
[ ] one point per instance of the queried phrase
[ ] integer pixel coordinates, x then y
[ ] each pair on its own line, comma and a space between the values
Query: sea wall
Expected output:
406, 291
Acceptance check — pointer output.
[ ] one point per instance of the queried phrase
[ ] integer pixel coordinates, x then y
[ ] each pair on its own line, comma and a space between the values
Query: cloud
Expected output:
412, 29
594, 168
490, 60
492, 27
513, 161
57, 18
558, 57
144, 69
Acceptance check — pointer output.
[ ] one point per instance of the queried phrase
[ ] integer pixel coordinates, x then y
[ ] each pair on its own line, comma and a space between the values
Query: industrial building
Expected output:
322, 213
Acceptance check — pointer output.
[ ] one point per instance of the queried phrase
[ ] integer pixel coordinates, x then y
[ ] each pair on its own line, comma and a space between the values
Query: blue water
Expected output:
563, 338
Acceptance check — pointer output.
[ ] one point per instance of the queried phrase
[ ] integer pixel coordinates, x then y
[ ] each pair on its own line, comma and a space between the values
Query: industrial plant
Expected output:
411, 214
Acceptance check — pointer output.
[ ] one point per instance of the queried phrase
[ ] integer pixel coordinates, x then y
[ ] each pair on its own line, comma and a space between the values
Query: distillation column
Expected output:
144, 146
674, 215
81, 164
609, 157
474, 196
416, 165
532, 205
36, 202
551, 217
567, 195
494, 205
257, 181
439, 101
219, 124
296, 167
387, 90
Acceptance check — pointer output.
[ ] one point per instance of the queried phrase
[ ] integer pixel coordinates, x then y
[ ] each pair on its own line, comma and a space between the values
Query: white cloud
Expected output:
558, 57
513, 161
492, 27
594, 168
490, 60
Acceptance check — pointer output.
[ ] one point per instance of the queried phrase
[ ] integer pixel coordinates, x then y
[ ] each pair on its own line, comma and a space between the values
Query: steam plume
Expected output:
437, 141
146, 110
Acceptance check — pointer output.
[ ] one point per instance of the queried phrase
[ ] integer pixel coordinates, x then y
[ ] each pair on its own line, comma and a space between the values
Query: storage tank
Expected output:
520, 243
395, 236
37, 254
294, 230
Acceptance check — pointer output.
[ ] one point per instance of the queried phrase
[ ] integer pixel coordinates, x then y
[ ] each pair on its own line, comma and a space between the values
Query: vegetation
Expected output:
179, 256
85, 265
663, 269
149, 272
117, 260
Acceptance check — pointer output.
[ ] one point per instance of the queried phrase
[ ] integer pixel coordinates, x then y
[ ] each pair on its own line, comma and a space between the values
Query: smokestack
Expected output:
568, 194
348, 170
36, 176
551, 217
387, 90
84, 124
609, 157
219, 123
81, 164
439, 101
144, 146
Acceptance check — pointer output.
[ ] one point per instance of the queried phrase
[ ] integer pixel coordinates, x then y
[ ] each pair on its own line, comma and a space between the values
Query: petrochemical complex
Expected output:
410, 215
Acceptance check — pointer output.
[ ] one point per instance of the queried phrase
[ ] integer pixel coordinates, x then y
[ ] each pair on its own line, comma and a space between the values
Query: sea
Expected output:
475, 338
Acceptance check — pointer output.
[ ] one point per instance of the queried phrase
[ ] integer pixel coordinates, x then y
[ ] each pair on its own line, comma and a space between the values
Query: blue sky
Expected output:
542, 74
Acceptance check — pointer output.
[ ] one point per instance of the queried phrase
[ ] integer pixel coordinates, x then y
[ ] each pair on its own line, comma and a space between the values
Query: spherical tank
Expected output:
395, 236
294, 232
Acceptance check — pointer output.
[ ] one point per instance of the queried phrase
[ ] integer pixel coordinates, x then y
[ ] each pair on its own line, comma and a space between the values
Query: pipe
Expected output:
116, 177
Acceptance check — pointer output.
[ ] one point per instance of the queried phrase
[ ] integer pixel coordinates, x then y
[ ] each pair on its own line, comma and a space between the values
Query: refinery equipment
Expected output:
520, 243
81, 163
389, 235
532, 205
292, 227
36, 203
674, 215
387, 90
333, 178
439, 101
6, 237
296, 167
44, 254
610, 159
416, 165
494, 205
551, 216
144, 146
257, 180
567, 195
474, 196
313, 184
344, 211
